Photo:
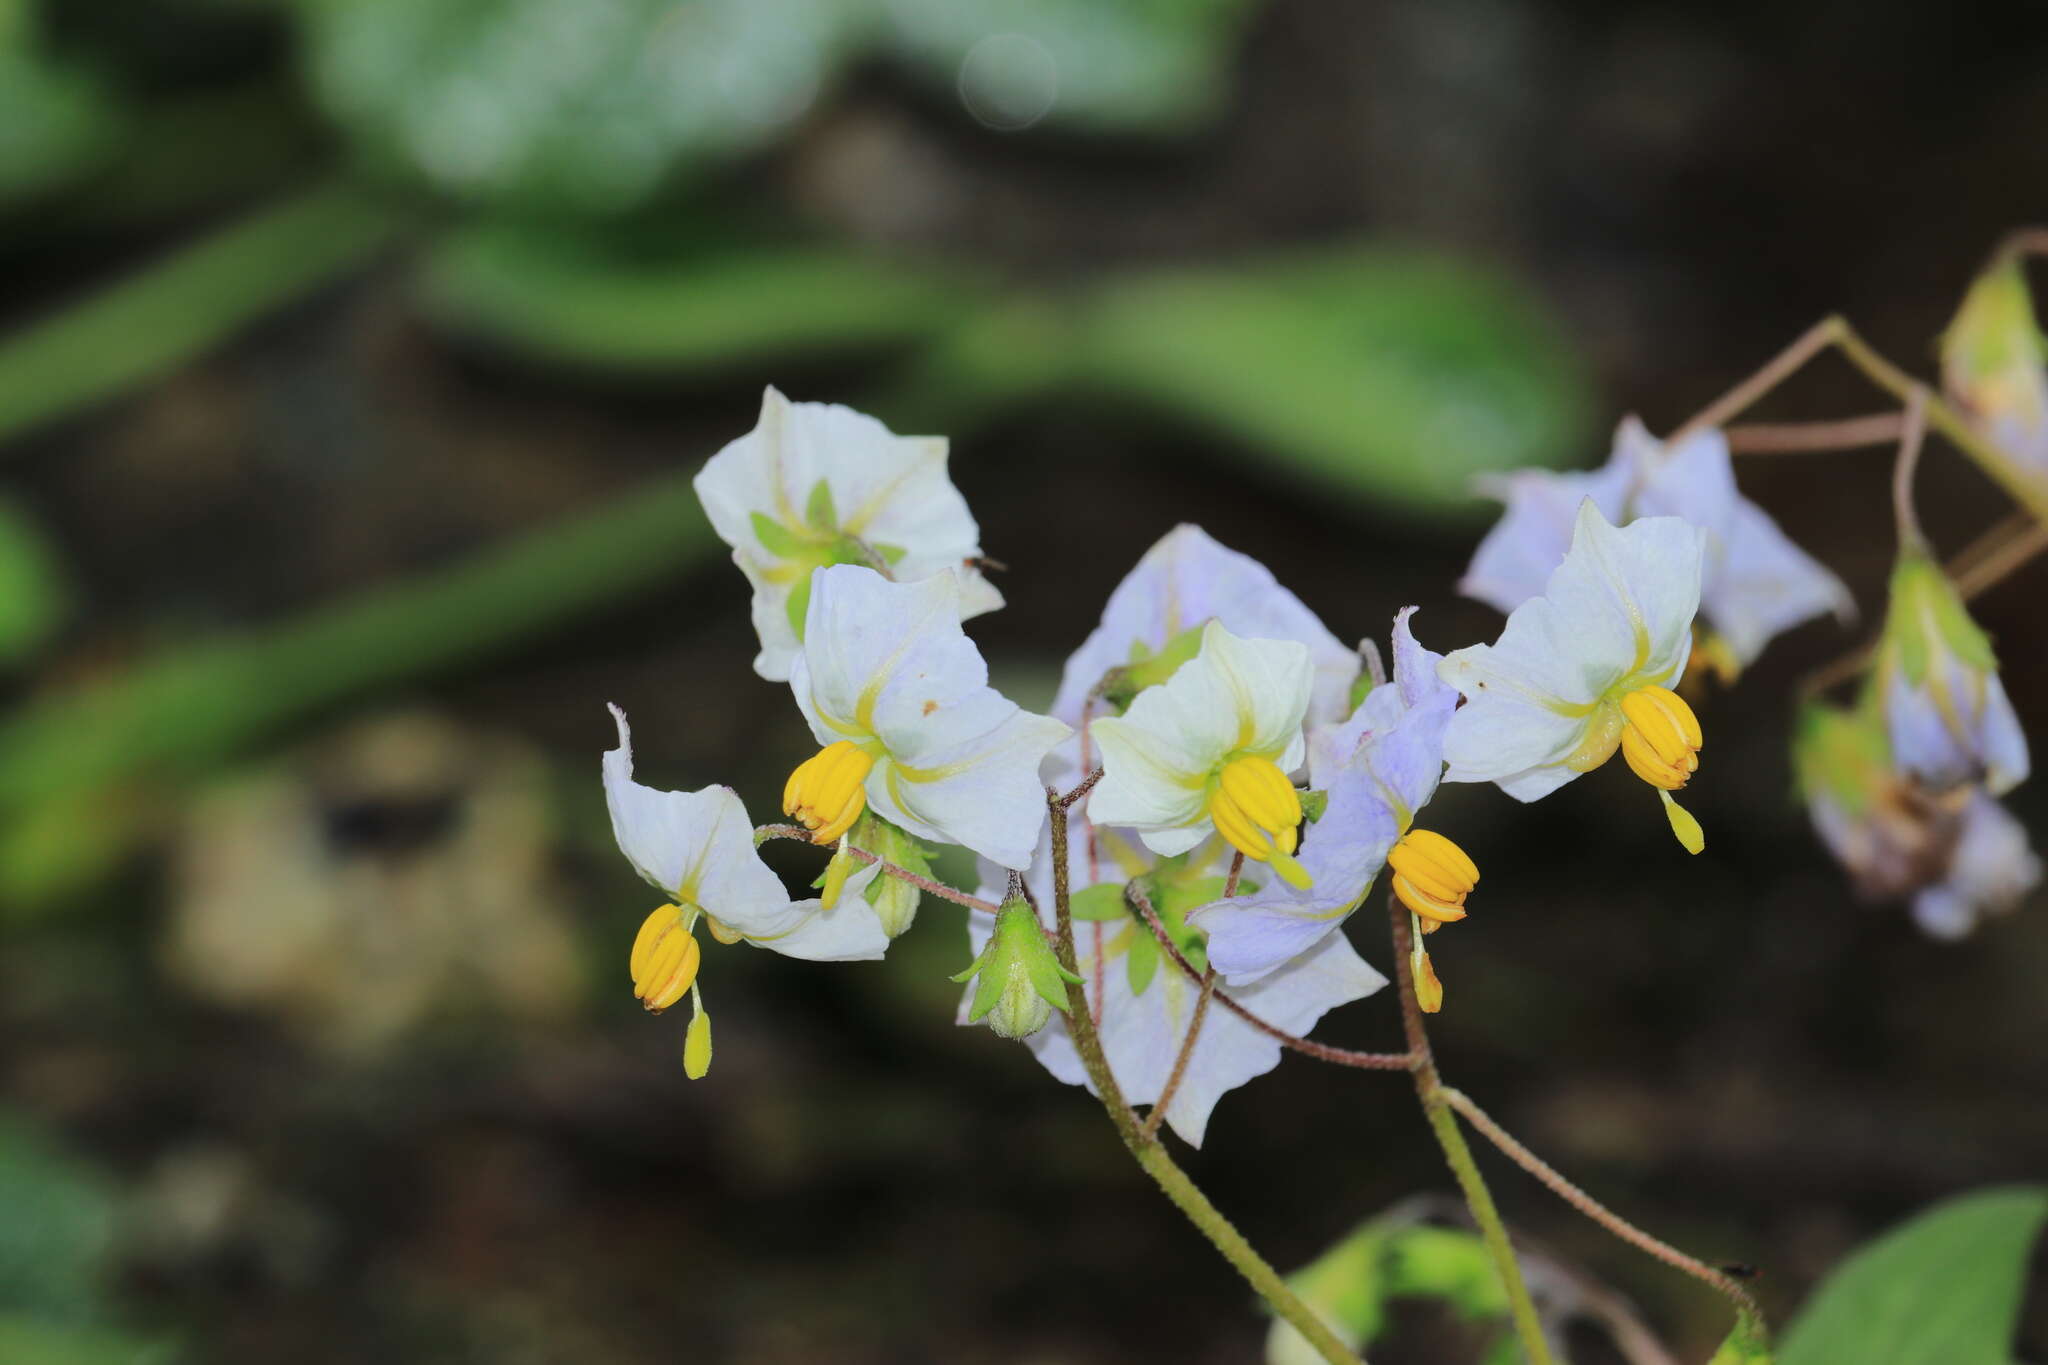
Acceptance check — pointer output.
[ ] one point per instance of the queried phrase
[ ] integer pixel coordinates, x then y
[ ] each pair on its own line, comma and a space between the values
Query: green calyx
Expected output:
1841, 754
895, 900
818, 542
1927, 620
1149, 667
1995, 330
1018, 980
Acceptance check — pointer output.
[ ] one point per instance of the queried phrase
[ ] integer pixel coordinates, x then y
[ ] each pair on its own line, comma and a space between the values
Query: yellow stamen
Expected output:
1432, 875
825, 794
1662, 740
697, 1044
664, 959
1258, 811
1429, 991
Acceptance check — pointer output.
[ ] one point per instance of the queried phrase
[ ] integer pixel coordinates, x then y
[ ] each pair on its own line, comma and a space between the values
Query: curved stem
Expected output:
1429, 1087
1151, 1154
1911, 439
928, 885
1600, 1213
1307, 1047
1793, 438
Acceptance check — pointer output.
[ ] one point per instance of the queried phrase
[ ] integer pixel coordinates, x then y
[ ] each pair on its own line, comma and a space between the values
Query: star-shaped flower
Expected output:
899, 697
1586, 668
816, 484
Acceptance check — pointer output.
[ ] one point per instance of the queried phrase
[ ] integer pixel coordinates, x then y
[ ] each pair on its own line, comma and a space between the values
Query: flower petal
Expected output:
1526, 545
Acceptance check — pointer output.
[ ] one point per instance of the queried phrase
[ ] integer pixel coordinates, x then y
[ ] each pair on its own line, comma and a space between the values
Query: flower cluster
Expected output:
1239, 780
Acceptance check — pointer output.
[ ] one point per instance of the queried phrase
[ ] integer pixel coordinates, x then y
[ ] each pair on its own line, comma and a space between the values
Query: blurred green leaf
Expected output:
564, 105
33, 592
1352, 1284
68, 762
1943, 1289
57, 1226
1380, 374
149, 323
57, 124
584, 299
28, 1341
1746, 1345
1148, 64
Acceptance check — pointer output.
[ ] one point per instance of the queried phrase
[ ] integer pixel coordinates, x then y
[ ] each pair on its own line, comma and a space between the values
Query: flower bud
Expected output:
1946, 712
1018, 979
1993, 361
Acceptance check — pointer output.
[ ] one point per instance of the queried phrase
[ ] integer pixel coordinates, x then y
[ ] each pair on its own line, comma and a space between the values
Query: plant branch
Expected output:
1429, 1088
1788, 438
1151, 1154
1308, 1047
1598, 1212
1775, 372
1086, 785
1911, 439
928, 885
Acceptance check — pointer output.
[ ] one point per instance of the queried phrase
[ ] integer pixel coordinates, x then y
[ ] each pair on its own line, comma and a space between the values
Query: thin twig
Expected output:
1180, 1060
1786, 438
922, 883
1087, 784
1911, 439
1307, 1047
1780, 367
1593, 1208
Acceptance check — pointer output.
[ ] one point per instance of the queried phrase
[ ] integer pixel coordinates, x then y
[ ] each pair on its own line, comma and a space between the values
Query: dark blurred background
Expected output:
356, 356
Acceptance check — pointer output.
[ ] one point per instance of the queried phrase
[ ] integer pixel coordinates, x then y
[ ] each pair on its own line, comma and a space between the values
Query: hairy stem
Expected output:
1600, 1213
1911, 439
1789, 438
1151, 1154
1307, 1047
928, 885
1429, 1087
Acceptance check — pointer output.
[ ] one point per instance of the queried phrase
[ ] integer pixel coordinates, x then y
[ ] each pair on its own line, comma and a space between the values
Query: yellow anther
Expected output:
664, 959
1662, 741
1258, 811
697, 1045
1432, 875
1429, 992
824, 794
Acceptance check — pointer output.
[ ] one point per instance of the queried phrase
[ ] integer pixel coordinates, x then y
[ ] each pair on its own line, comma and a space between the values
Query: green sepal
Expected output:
1313, 804
1841, 753
798, 604
892, 555
1099, 903
895, 901
775, 538
1148, 668
1141, 959
819, 513
1018, 980
1926, 614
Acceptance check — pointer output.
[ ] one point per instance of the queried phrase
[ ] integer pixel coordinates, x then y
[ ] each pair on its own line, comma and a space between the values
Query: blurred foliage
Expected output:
79, 771
57, 122
34, 594
58, 1226
613, 303
143, 326
593, 106
1943, 1289
1354, 1284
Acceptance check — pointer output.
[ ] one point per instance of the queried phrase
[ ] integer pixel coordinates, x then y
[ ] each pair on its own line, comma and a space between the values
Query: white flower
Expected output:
1755, 583
900, 698
1949, 719
697, 848
1378, 769
1211, 749
1183, 582
1991, 869
1142, 1003
1586, 668
815, 484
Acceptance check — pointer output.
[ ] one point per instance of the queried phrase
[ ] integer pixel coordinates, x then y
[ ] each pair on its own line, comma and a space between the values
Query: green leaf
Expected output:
164, 315
59, 1224
1351, 1284
33, 593
33, 1341
1943, 1289
57, 125
1377, 374
608, 304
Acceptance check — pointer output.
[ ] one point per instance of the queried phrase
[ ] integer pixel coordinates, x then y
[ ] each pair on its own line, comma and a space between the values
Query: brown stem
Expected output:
1911, 439
922, 883
1307, 1047
1087, 784
1785, 438
1594, 1209
1775, 372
